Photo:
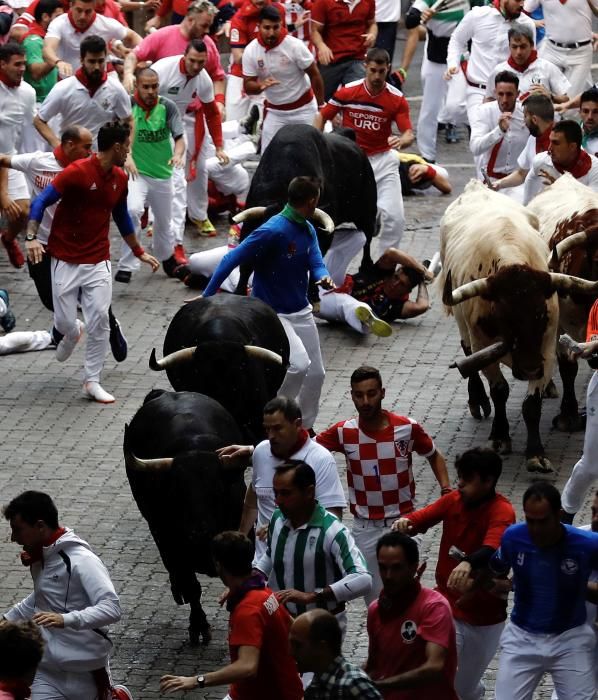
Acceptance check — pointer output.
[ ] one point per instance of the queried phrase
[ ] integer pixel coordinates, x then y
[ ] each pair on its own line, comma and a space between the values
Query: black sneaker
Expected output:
118, 342
249, 123
8, 320
123, 276
451, 134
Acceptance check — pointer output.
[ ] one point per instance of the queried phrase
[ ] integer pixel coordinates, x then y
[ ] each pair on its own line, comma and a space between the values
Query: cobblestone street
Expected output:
56, 441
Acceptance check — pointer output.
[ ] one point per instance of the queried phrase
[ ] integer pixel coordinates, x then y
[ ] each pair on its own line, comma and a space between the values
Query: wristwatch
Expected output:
201, 681
31, 237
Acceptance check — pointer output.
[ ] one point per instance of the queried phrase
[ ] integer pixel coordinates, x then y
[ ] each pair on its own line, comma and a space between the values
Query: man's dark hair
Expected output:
234, 552
543, 491
415, 276
197, 44
45, 7
72, 132
506, 76
303, 474
540, 106
111, 133
570, 130
32, 506
288, 407
397, 539
325, 628
270, 13
92, 44
21, 649
146, 71
302, 189
590, 95
521, 30
377, 55
481, 461
365, 372
11, 49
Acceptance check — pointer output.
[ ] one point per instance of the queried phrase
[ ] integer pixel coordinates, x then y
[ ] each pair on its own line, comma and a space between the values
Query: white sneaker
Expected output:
65, 347
93, 391
376, 325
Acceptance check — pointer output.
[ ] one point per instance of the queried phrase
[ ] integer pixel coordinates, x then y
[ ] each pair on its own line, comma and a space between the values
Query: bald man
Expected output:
315, 640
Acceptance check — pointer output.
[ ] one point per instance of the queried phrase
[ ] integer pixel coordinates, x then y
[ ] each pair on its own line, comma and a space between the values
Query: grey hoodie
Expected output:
71, 580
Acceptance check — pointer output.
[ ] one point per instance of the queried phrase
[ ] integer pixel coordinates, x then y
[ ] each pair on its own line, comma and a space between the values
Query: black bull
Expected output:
223, 336
348, 193
181, 488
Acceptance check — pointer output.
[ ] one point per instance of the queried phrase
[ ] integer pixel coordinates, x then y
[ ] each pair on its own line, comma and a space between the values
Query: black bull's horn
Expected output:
320, 217
480, 359
186, 355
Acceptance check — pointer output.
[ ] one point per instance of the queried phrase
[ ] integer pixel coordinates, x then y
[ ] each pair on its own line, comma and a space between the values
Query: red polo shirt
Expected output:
80, 228
343, 25
468, 529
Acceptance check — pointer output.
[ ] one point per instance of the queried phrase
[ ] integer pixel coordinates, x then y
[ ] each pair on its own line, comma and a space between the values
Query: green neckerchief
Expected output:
293, 215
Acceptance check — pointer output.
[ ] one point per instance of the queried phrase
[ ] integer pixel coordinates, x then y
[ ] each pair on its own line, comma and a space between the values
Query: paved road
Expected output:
54, 440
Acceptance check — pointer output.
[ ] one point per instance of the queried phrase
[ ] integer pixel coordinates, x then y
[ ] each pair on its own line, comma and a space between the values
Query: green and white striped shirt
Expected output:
315, 555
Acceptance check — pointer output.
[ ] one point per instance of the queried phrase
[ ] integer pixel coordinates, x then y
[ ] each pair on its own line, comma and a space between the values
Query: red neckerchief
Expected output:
581, 167
146, 108
543, 141
391, 608
7, 81
268, 47
18, 689
84, 80
29, 558
35, 29
60, 156
87, 26
531, 58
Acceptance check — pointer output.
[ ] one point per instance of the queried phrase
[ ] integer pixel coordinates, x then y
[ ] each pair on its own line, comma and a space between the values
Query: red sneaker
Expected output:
121, 692
14, 252
180, 255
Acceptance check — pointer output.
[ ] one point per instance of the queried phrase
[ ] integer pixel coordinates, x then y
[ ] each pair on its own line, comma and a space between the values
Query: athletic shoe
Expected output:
93, 391
121, 692
118, 342
14, 252
180, 257
65, 347
451, 135
249, 124
370, 320
205, 228
123, 276
7, 320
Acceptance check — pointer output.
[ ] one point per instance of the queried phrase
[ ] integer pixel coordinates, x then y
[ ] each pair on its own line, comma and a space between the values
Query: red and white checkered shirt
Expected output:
379, 468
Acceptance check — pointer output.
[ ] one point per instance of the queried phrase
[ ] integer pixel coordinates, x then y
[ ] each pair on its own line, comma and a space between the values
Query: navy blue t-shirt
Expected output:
550, 582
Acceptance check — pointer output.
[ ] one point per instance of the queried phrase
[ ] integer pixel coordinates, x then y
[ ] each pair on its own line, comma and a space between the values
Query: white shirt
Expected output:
329, 490
534, 182
485, 133
566, 22
17, 109
540, 72
182, 90
591, 145
286, 62
70, 38
388, 10
71, 99
40, 168
527, 155
488, 31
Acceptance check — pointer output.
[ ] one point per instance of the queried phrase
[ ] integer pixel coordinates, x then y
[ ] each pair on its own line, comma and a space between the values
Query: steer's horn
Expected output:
572, 285
263, 354
150, 465
564, 246
323, 220
464, 292
480, 359
251, 213
175, 358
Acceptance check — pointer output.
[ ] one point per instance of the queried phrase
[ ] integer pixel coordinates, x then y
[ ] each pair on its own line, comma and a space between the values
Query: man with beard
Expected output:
588, 111
90, 192
378, 447
89, 97
412, 653
473, 519
282, 68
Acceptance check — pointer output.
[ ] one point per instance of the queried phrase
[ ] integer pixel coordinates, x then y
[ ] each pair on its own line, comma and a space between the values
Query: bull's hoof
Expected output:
476, 408
550, 391
569, 423
502, 447
202, 635
540, 465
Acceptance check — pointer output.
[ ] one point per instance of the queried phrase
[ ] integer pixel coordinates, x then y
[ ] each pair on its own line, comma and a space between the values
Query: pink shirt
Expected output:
168, 41
427, 619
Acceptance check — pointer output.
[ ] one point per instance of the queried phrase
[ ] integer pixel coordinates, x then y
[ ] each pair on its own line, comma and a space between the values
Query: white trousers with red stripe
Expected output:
95, 283
275, 119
